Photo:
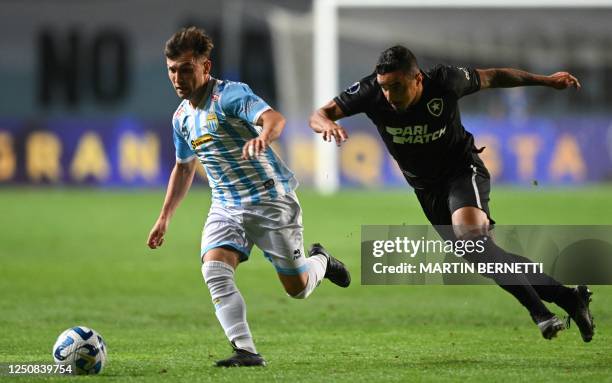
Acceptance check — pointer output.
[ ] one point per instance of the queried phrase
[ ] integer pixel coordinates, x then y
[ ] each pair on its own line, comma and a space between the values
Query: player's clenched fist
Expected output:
253, 148
156, 236
563, 80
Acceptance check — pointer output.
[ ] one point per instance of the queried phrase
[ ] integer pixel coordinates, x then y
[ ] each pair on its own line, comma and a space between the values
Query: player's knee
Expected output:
219, 277
296, 291
470, 232
294, 285
302, 294
469, 223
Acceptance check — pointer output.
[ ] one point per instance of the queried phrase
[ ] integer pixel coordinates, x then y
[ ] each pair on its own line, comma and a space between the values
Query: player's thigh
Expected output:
226, 255
434, 203
276, 228
468, 202
224, 234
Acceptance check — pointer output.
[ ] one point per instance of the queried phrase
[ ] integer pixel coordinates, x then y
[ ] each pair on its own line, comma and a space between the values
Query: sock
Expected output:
229, 304
317, 264
548, 288
516, 284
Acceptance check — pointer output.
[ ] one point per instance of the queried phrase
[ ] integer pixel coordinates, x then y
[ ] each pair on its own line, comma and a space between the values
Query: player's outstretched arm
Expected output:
178, 185
323, 121
508, 78
273, 124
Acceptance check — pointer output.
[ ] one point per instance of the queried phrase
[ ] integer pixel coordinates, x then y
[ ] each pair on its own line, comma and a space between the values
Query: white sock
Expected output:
317, 264
229, 304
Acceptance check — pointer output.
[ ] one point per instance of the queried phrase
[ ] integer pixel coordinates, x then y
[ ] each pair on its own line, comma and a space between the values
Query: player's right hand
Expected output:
563, 80
156, 236
336, 131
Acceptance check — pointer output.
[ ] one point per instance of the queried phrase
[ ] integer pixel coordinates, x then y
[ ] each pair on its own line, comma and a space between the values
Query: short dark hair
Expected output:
189, 39
397, 57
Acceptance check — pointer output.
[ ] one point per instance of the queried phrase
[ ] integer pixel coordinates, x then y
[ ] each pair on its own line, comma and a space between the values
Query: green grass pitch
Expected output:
70, 257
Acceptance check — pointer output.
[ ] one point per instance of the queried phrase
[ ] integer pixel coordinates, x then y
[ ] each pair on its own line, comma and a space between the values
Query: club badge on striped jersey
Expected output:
200, 140
212, 123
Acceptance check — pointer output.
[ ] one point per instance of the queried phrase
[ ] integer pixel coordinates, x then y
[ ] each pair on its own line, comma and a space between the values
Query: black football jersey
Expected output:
427, 140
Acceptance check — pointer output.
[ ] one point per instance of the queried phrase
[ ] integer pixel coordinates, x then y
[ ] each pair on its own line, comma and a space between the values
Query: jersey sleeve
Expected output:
183, 150
355, 98
459, 80
240, 101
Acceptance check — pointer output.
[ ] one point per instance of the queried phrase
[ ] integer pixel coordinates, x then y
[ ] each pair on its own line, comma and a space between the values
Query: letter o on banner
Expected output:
361, 159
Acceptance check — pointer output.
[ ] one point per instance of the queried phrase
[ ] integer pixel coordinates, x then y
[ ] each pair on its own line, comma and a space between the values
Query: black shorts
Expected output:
469, 188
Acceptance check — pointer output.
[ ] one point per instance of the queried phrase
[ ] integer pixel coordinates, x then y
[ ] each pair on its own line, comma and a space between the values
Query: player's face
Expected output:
188, 74
401, 89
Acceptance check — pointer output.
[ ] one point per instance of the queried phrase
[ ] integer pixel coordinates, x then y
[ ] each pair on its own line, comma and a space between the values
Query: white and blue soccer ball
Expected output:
81, 350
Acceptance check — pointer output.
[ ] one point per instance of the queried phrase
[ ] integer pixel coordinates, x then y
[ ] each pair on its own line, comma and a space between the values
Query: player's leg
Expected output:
472, 223
224, 246
319, 262
276, 228
575, 301
438, 203
468, 200
301, 285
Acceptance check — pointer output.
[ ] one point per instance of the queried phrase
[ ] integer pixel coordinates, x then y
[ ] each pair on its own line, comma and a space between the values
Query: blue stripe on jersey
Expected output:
215, 186
272, 159
223, 178
255, 195
228, 158
240, 141
242, 176
196, 122
182, 150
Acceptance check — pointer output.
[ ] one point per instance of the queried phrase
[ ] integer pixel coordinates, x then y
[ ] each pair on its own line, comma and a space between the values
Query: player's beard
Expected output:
400, 107
183, 93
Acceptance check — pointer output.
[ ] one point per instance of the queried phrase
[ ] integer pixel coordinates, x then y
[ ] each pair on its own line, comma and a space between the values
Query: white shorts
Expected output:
274, 226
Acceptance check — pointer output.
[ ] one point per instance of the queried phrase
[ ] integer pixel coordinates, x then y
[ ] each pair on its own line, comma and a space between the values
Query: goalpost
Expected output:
325, 57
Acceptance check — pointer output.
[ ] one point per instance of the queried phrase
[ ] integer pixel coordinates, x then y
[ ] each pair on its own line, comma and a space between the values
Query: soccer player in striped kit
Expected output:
228, 128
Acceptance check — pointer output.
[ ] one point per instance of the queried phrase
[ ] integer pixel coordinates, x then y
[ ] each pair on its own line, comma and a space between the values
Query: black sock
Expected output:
548, 288
516, 284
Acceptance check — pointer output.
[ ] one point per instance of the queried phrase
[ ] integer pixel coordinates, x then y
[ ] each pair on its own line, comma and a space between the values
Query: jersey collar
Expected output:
209, 88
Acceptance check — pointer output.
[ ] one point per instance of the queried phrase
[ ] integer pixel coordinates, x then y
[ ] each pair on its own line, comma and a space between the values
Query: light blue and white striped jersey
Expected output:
216, 132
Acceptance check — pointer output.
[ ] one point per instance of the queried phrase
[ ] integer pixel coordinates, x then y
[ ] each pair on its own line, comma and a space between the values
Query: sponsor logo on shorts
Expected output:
269, 184
200, 140
297, 253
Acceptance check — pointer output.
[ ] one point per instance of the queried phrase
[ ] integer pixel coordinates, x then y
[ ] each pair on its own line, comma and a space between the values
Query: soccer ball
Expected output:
81, 350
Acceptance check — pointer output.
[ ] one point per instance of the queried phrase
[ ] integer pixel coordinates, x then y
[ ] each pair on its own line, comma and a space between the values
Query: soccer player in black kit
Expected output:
417, 116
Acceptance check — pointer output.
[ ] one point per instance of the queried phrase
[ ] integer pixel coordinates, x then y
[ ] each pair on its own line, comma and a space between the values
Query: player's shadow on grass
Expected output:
505, 363
588, 261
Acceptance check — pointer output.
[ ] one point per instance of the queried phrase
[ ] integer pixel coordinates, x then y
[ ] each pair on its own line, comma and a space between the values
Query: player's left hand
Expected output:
563, 80
254, 147
334, 131
156, 236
